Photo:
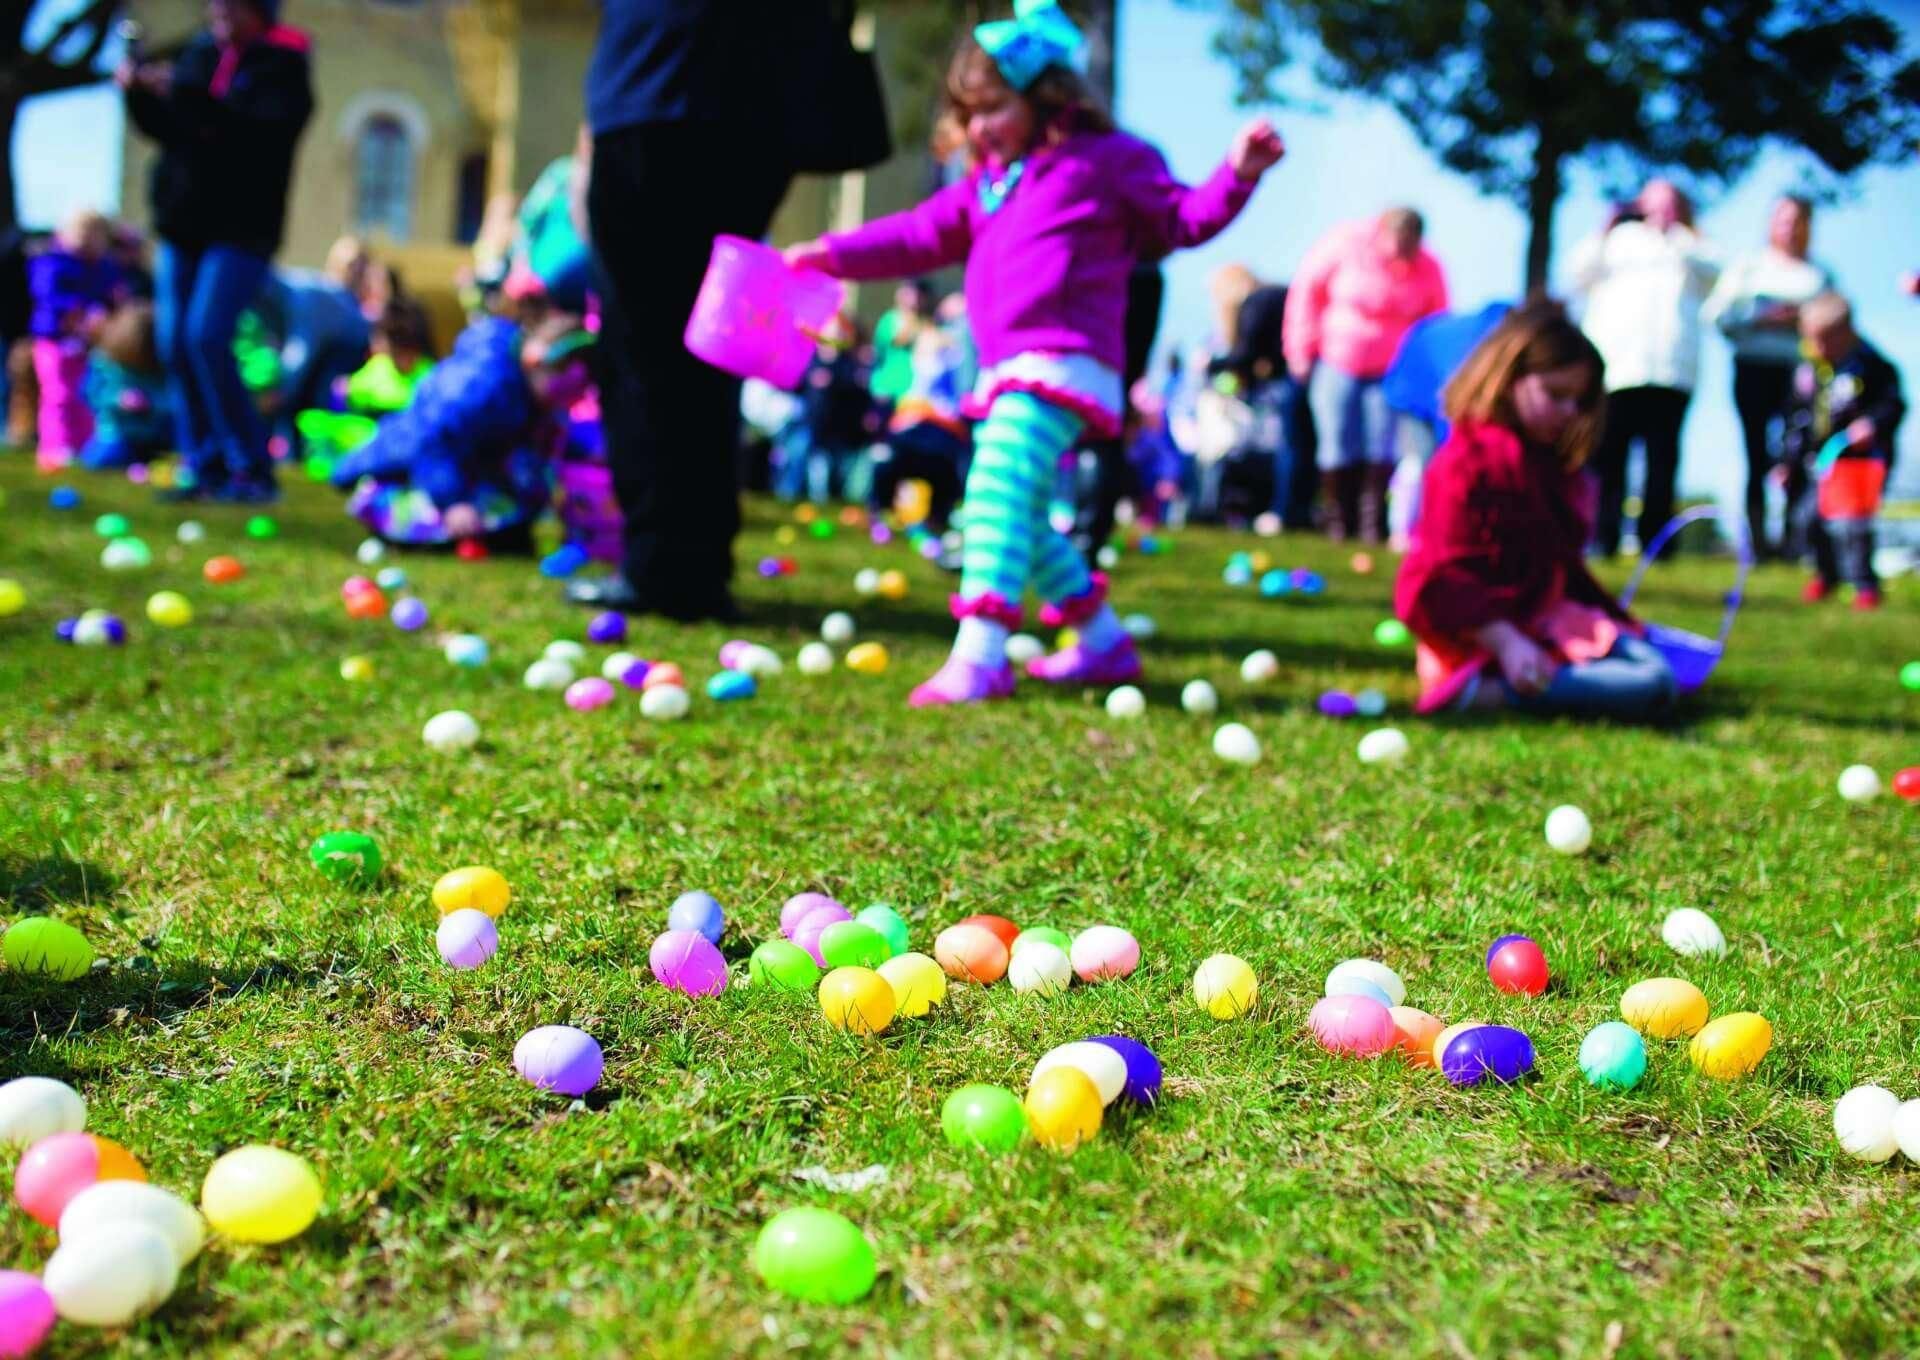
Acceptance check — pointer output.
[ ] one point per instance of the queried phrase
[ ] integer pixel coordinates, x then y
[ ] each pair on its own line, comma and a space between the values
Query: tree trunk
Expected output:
1543, 196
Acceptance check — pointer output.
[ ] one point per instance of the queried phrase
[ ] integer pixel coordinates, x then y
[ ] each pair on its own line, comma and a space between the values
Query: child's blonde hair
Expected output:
1060, 97
82, 224
1827, 310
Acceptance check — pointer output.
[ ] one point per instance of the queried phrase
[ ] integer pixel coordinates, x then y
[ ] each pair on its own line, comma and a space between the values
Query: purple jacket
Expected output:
1048, 271
66, 287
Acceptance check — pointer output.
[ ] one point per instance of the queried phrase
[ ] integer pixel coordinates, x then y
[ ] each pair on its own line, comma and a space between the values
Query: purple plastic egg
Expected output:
687, 961
559, 1058
698, 911
769, 567
1357, 1026
880, 534
930, 549
467, 937
814, 924
583, 696
63, 630
607, 628
732, 652
409, 615
1502, 943
635, 675
1143, 1069
798, 906
1337, 703
1498, 1052
26, 1313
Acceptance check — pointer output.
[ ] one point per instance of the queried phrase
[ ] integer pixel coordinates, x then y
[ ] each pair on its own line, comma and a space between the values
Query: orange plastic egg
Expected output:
222, 571
971, 953
999, 925
1414, 1032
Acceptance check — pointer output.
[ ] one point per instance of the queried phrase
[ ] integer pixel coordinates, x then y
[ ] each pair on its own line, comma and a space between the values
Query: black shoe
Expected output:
248, 491
184, 495
616, 592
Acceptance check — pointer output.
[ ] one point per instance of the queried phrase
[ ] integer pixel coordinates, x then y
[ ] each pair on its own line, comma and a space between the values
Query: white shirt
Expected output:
1749, 286
1644, 288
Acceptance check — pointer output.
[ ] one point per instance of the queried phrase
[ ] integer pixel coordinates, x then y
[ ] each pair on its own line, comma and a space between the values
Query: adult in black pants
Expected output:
1146, 295
693, 105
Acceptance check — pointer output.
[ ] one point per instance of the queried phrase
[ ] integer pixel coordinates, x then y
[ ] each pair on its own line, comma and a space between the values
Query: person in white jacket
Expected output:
1757, 305
1644, 277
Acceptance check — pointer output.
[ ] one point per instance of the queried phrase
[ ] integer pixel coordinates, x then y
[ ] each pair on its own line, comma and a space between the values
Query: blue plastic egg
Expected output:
698, 911
1613, 1056
730, 685
391, 578
1353, 984
468, 650
63, 498
1495, 1052
1274, 584
1143, 1069
1237, 574
563, 561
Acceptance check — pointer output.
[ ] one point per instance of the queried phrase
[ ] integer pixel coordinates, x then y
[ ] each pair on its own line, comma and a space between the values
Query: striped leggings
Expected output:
1008, 542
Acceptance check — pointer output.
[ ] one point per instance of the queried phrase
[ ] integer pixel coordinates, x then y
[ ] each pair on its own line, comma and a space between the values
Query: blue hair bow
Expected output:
1038, 36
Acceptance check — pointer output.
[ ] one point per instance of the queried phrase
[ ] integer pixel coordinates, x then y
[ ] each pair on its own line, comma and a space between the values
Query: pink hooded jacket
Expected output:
1349, 304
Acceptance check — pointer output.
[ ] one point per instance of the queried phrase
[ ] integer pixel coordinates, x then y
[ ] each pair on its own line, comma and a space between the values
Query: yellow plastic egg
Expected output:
784, 535
1065, 638
1664, 1008
13, 597
919, 984
1225, 987
869, 658
1731, 1046
170, 609
1260, 562
893, 585
356, 669
475, 886
260, 1194
856, 999
1063, 1108
1449, 1034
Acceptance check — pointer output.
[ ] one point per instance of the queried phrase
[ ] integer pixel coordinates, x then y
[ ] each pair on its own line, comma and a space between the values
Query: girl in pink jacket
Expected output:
1056, 211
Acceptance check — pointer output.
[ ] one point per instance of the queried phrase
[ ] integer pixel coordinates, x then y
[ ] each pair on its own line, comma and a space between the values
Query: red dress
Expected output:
1500, 537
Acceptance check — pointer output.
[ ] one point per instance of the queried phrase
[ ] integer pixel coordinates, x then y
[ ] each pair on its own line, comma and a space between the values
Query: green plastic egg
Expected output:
782, 964
348, 858
848, 944
890, 923
40, 944
816, 1255
112, 526
262, 526
1043, 935
982, 1116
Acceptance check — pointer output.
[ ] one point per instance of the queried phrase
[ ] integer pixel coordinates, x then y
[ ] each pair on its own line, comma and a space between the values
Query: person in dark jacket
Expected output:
693, 104
228, 112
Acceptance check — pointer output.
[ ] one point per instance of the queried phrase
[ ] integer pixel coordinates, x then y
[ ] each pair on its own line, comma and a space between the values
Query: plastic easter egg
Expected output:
892, 585
263, 1194
1373, 971
857, 999
450, 732
1859, 784
1199, 698
1391, 633
103, 1207
1337, 703
555, 1058
782, 964
1369, 703
27, 1313
665, 703
729, 686
1449, 1034
1352, 984
1731, 1046
986, 1117
616, 666
1144, 1076
1101, 1064
758, 662
391, 578
1568, 830
848, 944
1235, 742
366, 604
473, 887
866, 582
999, 925
1664, 1008
814, 925
1906, 1130
98, 628
1384, 746
1414, 1032
565, 650
890, 925
58, 1167
32, 1108
585, 696
112, 526
63, 498
370, 551
1139, 627
1516, 964
814, 1255
971, 953
1690, 933
816, 658
467, 650
13, 597
1063, 1108
1355, 1025
262, 527
1910, 675
1126, 702
699, 911
1906, 784
1225, 987
607, 629
1042, 968
112, 1278
410, 615
664, 675
919, 984
1025, 647
357, 585
1237, 574
1863, 1122
356, 670
687, 961
1487, 1052
837, 629
1259, 667
563, 561
802, 905
548, 673
193, 531
466, 938
869, 658
222, 570
1613, 1056
349, 858
1032, 935
1101, 953
126, 554
48, 948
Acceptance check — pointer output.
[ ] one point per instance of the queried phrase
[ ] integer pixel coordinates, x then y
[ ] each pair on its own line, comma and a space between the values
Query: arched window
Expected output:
383, 177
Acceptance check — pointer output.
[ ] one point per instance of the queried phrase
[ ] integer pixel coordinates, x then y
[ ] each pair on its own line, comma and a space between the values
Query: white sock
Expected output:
1102, 632
981, 641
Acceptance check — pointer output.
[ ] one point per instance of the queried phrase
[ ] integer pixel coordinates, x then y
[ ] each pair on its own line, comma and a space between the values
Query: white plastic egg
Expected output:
1690, 932
1040, 967
1259, 667
563, 649
105, 1205
549, 672
816, 658
1373, 971
837, 629
1126, 702
1568, 830
450, 731
616, 666
1200, 698
1236, 742
665, 703
108, 1279
866, 581
31, 1108
1384, 746
1859, 784
1025, 647
1863, 1122
1101, 1065
193, 531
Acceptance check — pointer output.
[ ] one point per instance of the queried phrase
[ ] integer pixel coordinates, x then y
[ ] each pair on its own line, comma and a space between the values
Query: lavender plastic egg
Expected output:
698, 911
807, 933
559, 1058
63, 630
1487, 1051
1143, 1069
467, 938
798, 906
409, 615
733, 653
1337, 703
635, 675
583, 696
607, 629
768, 567
880, 533
687, 961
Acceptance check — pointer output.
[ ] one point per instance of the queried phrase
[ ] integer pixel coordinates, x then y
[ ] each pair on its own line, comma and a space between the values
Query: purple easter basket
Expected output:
589, 513
1692, 657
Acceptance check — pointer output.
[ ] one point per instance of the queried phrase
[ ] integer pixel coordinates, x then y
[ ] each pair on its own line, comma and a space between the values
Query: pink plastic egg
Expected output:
1356, 1025
797, 907
583, 696
814, 924
1102, 952
687, 961
731, 652
26, 1313
61, 1165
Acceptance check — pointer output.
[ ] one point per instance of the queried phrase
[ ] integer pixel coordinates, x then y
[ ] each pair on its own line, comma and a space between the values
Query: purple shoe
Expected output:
963, 682
1075, 665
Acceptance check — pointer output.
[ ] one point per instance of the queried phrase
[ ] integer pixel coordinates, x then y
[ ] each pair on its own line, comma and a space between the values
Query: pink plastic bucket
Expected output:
755, 317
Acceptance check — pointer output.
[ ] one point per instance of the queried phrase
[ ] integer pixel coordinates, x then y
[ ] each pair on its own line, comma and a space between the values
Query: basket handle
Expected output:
1743, 550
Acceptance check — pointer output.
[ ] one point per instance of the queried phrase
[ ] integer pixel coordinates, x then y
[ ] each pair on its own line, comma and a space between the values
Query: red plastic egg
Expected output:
999, 925
470, 550
1515, 964
367, 604
1907, 783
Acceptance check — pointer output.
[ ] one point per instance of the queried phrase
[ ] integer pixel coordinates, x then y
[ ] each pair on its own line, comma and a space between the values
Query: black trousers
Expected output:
1146, 295
1760, 392
659, 195
1651, 417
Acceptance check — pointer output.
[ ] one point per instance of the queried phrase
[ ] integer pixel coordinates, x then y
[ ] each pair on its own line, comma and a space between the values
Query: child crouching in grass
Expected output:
127, 389
1496, 586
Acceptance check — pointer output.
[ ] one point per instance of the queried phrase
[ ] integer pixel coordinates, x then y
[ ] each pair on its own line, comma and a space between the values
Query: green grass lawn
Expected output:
1280, 1200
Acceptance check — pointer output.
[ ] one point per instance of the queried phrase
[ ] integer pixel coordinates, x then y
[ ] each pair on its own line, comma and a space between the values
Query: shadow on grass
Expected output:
116, 996
32, 884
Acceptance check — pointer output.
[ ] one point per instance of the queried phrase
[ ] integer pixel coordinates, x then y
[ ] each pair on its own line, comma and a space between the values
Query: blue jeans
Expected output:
1633, 681
198, 298
1352, 418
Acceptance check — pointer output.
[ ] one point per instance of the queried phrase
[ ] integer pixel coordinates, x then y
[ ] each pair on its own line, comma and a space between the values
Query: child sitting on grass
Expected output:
127, 390
1840, 423
1496, 585
1057, 210
74, 285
